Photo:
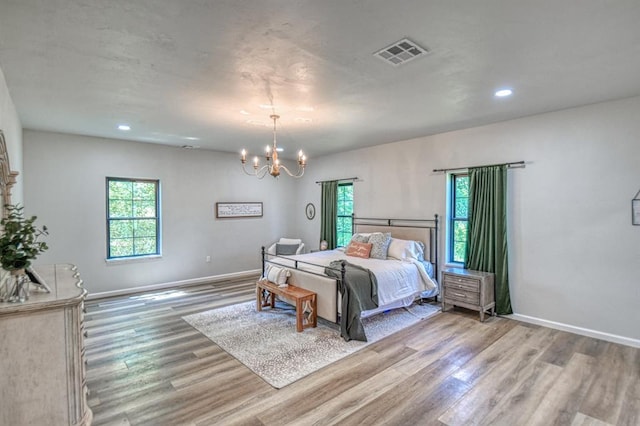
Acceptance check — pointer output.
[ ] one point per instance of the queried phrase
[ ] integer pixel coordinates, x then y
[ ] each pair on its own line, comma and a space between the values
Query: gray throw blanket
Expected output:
359, 293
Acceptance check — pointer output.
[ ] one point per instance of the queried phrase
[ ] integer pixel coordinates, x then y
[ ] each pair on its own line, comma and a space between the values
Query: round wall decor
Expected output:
310, 211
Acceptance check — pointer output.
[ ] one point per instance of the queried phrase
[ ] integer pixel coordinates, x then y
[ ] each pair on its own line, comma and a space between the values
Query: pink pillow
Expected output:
357, 249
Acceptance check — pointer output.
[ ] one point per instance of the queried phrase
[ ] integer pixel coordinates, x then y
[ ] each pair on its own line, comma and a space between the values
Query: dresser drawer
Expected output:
461, 283
471, 297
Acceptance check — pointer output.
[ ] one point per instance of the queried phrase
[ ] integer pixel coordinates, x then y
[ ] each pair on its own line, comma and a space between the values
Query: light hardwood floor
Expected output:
148, 366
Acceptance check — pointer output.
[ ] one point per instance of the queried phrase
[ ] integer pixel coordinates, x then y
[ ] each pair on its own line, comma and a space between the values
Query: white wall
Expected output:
65, 187
574, 255
12, 129
573, 251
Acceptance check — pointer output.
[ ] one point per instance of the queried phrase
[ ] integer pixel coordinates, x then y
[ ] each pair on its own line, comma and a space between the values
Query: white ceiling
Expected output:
181, 72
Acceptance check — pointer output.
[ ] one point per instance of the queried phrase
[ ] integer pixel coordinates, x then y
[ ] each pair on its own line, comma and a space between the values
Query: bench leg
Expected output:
313, 314
306, 315
299, 315
264, 298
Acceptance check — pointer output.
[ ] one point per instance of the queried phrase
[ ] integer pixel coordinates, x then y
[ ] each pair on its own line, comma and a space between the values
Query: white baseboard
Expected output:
174, 284
577, 330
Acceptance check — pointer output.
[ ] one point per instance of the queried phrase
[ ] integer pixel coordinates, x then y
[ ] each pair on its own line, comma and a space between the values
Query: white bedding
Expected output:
399, 282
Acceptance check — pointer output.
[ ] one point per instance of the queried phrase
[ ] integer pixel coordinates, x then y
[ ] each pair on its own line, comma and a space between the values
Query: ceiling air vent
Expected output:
401, 52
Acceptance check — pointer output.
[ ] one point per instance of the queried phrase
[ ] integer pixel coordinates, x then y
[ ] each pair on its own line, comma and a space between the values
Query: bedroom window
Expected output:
133, 219
458, 216
344, 217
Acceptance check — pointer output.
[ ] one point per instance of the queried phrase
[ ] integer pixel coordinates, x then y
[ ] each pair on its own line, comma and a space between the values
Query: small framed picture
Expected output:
635, 211
310, 211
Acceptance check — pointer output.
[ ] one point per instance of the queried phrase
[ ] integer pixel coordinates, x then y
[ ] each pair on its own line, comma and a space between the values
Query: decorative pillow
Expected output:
405, 249
272, 248
286, 249
360, 238
277, 275
380, 243
357, 249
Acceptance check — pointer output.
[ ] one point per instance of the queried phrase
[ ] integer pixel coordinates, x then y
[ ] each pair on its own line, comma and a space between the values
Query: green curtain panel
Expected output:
328, 207
487, 231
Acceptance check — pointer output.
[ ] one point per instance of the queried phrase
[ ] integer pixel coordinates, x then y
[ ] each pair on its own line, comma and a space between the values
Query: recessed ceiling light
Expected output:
279, 149
191, 138
503, 92
124, 127
243, 112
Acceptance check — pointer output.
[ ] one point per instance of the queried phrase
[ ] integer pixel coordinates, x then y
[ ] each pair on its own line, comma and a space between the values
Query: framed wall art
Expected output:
238, 209
310, 211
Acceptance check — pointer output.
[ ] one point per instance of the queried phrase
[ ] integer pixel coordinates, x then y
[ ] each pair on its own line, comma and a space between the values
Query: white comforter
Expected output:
397, 280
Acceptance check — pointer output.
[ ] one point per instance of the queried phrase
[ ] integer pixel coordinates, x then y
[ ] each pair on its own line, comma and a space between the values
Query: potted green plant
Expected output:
19, 246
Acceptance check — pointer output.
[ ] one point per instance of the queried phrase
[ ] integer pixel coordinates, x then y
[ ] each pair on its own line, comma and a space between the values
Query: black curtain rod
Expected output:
512, 164
337, 180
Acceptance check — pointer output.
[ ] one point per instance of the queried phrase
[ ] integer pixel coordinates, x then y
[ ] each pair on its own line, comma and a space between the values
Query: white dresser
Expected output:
42, 368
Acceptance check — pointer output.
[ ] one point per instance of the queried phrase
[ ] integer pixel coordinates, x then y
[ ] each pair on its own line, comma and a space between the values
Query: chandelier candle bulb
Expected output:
255, 162
244, 156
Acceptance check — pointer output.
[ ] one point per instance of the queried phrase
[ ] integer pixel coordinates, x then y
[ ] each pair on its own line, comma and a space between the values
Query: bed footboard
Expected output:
326, 289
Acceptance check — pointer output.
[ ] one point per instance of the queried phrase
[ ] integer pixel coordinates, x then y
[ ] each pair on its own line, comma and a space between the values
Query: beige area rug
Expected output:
268, 344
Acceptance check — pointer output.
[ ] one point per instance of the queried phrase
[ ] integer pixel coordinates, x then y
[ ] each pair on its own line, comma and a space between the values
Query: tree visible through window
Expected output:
344, 217
458, 218
132, 217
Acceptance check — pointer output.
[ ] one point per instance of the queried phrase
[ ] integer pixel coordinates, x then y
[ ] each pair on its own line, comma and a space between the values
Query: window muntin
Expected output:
344, 216
133, 219
458, 217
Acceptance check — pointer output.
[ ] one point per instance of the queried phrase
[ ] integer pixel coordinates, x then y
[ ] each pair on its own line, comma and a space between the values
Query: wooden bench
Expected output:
305, 301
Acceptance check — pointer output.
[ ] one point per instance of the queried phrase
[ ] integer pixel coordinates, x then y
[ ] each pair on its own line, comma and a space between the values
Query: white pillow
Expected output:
360, 237
405, 249
277, 275
290, 241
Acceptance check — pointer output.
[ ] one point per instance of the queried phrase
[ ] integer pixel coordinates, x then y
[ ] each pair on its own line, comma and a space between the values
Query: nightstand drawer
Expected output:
462, 296
462, 284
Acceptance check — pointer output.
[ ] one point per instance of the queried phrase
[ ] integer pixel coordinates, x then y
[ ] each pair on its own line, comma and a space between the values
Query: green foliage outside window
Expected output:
459, 217
344, 219
132, 217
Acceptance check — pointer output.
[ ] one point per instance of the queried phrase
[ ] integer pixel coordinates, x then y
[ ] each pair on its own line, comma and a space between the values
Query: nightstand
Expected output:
468, 289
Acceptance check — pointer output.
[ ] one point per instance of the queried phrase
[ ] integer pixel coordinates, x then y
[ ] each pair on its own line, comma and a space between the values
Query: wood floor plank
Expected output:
524, 399
492, 387
147, 366
336, 409
583, 420
614, 375
561, 403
